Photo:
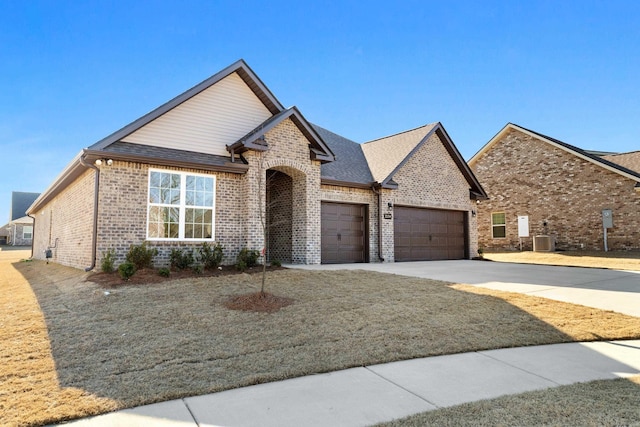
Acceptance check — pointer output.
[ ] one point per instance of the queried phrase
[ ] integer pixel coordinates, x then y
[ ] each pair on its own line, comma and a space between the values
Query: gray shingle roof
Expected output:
20, 202
350, 164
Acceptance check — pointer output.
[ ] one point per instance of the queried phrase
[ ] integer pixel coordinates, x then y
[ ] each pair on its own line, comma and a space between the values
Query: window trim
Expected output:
24, 228
181, 207
494, 226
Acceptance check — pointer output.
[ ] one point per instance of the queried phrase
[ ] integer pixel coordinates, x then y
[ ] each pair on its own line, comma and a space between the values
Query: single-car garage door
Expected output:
428, 234
344, 236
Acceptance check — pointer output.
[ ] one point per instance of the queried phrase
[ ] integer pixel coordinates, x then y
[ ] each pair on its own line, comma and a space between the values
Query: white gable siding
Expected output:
217, 116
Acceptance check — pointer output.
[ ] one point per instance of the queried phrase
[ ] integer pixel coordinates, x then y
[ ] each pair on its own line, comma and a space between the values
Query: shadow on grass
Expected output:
149, 343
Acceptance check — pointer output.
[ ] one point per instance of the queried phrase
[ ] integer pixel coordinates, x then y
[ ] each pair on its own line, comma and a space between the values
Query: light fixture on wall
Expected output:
390, 205
473, 213
99, 162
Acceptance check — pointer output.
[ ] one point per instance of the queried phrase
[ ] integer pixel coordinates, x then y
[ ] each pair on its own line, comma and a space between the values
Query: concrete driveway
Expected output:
614, 290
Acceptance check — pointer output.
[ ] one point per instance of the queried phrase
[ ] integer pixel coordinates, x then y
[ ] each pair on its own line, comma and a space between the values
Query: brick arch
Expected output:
288, 166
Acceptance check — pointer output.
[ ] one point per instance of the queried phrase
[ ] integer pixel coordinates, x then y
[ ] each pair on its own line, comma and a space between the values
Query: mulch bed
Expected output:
151, 275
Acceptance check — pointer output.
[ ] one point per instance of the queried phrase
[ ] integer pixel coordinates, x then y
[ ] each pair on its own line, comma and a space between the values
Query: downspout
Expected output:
33, 233
95, 212
379, 194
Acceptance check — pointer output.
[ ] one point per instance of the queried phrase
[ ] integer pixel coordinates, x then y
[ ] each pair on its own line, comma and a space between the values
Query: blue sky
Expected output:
73, 72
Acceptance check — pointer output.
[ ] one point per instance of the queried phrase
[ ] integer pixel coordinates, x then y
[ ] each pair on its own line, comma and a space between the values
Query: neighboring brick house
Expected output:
19, 230
561, 189
203, 166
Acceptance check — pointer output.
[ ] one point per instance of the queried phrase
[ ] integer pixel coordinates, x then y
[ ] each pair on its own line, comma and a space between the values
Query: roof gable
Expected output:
318, 148
384, 155
234, 92
599, 161
387, 155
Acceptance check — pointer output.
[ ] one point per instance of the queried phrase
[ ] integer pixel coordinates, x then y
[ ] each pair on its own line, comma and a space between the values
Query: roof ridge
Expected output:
400, 133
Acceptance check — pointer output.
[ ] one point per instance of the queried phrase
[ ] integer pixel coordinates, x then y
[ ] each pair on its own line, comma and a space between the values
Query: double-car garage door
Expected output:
419, 234
428, 234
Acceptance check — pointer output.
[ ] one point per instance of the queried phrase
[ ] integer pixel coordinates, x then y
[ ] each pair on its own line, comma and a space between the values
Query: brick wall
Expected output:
431, 179
526, 176
66, 222
123, 212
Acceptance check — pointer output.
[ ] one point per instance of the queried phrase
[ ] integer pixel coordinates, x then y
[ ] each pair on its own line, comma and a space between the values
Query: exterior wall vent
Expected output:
544, 244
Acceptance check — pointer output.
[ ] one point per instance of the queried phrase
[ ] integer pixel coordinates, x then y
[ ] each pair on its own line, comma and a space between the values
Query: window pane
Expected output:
175, 181
155, 179
498, 218
208, 199
499, 231
191, 182
190, 198
173, 231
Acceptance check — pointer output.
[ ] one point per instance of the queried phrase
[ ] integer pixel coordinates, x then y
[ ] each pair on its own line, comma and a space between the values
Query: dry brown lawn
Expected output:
597, 403
615, 260
71, 348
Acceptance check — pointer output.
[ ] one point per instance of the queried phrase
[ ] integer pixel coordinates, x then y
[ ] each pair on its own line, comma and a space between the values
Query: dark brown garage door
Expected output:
344, 234
428, 234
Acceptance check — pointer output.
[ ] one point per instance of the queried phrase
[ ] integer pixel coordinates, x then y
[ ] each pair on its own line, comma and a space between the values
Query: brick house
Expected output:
560, 189
203, 166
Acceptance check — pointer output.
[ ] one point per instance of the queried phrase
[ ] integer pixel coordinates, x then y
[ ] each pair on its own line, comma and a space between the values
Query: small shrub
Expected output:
164, 272
276, 263
141, 256
181, 259
108, 259
126, 270
241, 266
211, 256
198, 269
249, 257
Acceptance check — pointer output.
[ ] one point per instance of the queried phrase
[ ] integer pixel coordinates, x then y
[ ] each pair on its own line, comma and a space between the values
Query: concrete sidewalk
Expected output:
369, 395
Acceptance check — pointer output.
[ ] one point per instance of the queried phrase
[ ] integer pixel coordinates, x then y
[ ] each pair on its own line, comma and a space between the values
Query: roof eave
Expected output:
92, 155
72, 171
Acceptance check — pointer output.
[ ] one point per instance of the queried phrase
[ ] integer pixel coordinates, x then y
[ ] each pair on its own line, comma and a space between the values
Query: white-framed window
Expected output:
27, 232
181, 206
498, 225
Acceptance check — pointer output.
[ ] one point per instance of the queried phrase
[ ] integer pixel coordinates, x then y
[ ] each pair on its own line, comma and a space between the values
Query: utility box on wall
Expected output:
607, 218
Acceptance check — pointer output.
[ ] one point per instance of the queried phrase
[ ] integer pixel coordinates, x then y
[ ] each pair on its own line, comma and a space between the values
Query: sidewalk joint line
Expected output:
190, 412
401, 387
516, 367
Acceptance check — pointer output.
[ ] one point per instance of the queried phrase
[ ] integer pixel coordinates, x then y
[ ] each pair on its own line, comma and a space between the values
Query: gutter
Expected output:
95, 212
33, 233
375, 189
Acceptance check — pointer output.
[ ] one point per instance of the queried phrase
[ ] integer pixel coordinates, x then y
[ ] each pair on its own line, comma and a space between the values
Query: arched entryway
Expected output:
279, 214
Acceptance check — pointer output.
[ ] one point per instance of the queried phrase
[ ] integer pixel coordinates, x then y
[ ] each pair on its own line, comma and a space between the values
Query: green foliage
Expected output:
241, 265
198, 269
181, 259
108, 259
126, 270
211, 256
276, 263
164, 272
249, 257
141, 256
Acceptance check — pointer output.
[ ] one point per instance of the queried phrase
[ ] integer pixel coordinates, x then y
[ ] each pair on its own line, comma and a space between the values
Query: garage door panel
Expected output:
428, 234
343, 235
